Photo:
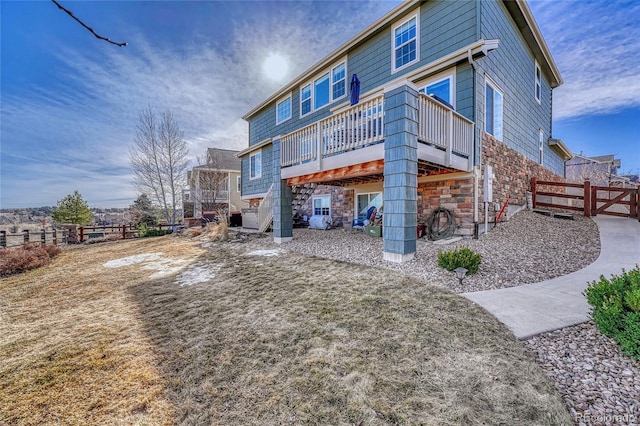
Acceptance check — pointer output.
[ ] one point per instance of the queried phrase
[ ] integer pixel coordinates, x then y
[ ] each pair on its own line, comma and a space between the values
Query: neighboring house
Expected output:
399, 147
215, 185
601, 170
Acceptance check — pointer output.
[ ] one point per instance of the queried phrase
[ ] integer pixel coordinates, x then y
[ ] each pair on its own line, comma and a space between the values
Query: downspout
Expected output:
475, 169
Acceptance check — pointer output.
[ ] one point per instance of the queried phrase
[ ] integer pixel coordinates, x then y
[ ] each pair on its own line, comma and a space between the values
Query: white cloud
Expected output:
76, 135
595, 45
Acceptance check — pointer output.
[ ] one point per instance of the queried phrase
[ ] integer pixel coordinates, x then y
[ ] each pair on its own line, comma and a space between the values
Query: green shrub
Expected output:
463, 257
145, 231
616, 308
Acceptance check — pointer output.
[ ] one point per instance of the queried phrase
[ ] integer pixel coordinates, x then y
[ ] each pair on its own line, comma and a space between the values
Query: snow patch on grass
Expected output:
132, 260
268, 253
198, 274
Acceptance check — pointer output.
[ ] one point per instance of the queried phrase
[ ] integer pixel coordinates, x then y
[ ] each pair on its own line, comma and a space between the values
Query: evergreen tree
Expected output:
72, 209
142, 211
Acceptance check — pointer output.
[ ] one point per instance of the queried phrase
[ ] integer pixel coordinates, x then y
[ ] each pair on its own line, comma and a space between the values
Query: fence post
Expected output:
43, 237
3, 238
124, 231
81, 229
55, 237
533, 192
25, 233
586, 198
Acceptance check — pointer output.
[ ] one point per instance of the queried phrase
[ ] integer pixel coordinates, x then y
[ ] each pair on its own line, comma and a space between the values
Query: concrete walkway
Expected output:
552, 304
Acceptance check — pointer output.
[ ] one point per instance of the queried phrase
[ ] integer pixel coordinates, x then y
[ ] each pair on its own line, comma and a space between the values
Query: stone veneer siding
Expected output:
513, 172
342, 205
453, 194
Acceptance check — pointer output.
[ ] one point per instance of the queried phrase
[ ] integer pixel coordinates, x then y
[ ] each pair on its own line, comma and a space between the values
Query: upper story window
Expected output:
305, 100
321, 91
493, 110
442, 86
538, 85
283, 110
239, 183
338, 81
255, 165
330, 86
405, 43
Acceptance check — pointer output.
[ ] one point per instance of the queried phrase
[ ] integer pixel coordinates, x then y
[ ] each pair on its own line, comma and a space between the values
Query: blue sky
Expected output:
70, 101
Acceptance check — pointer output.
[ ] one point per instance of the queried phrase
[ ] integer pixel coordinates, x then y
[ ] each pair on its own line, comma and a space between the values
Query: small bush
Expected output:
463, 257
25, 257
145, 231
616, 308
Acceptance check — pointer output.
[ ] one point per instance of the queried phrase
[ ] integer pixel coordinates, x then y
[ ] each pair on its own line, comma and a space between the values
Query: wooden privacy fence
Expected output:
585, 198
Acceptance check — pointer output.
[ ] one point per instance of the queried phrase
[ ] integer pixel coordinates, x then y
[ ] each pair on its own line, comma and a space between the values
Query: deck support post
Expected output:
400, 174
282, 198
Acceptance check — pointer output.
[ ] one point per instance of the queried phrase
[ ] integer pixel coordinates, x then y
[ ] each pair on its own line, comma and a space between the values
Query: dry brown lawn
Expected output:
216, 336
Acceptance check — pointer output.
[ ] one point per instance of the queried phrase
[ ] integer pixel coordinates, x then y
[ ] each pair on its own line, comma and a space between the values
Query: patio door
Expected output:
368, 200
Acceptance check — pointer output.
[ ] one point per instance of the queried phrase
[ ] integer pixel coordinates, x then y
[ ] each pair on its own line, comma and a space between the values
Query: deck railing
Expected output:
363, 125
356, 127
265, 211
442, 127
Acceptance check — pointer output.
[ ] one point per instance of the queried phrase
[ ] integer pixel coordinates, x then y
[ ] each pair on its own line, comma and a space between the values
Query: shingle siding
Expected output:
262, 184
445, 26
512, 68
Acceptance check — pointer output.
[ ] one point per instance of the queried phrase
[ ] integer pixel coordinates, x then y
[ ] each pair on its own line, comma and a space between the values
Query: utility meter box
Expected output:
488, 184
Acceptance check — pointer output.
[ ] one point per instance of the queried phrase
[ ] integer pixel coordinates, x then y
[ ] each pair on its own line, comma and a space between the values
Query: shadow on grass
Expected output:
289, 339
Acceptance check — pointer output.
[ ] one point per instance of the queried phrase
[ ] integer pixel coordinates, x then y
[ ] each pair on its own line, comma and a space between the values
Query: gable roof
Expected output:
221, 159
518, 9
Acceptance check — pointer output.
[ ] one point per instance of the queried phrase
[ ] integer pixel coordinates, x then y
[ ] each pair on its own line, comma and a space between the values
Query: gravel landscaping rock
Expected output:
599, 383
526, 249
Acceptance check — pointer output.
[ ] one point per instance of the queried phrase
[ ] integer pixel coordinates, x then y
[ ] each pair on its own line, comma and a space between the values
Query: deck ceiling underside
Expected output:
364, 173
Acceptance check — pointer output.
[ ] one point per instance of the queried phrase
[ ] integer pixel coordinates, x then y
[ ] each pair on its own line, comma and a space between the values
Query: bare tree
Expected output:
580, 168
159, 160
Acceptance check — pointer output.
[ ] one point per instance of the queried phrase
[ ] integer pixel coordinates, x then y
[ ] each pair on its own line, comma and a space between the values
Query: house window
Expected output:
255, 165
305, 100
338, 81
239, 183
329, 87
365, 201
541, 146
283, 110
321, 91
322, 205
405, 43
442, 87
538, 86
493, 111
225, 185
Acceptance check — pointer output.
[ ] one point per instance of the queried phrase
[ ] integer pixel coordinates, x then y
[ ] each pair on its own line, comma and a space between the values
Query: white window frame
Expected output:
393, 44
541, 146
489, 82
445, 75
280, 102
537, 77
312, 87
356, 207
239, 183
251, 157
320, 197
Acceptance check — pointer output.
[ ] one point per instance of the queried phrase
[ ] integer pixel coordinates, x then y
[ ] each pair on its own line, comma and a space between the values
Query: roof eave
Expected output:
539, 40
340, 51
